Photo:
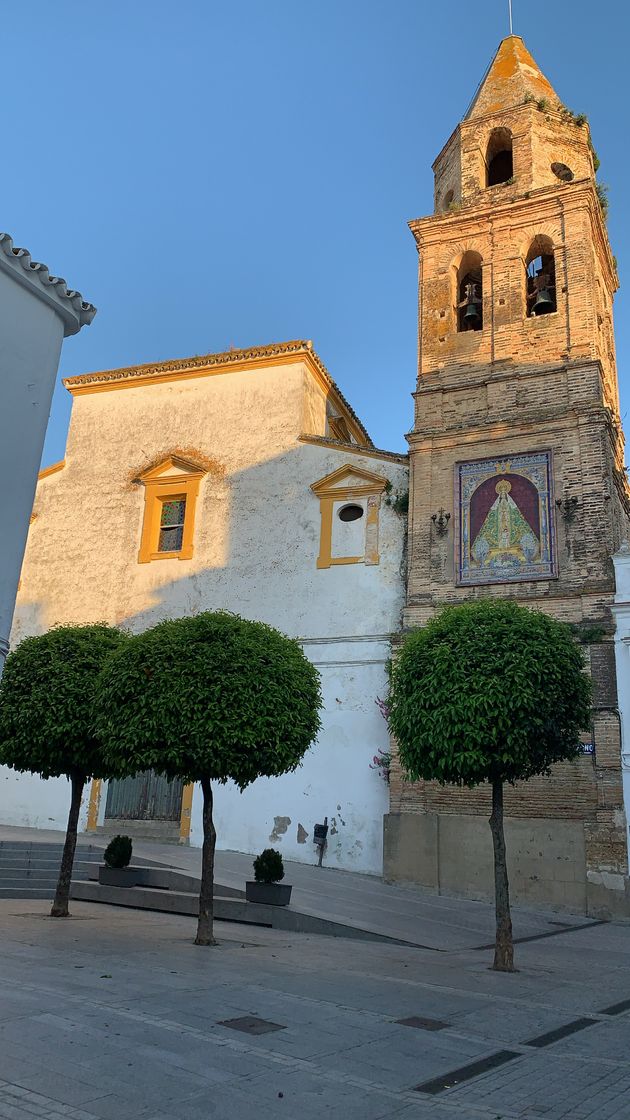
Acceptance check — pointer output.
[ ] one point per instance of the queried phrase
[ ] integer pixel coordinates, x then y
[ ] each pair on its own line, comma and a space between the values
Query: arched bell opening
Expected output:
499, 159
540, 278
469, 306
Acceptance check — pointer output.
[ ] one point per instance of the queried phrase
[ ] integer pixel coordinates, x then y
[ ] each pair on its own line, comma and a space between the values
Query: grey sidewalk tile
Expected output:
304, 1096
19, 1104
340, 1053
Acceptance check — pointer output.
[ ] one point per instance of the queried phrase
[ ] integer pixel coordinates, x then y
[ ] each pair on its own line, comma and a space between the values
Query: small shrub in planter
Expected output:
118, 852
116, 871
267, 888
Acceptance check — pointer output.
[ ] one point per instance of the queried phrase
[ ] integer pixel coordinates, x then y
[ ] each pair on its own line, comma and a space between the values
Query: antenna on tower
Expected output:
510, 11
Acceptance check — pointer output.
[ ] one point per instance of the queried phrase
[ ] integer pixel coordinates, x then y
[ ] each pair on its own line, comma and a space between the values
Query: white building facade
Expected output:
37, 311
242, 482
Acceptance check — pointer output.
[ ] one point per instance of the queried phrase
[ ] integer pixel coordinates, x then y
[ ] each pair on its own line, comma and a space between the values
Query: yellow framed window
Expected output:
170, 496
349, 500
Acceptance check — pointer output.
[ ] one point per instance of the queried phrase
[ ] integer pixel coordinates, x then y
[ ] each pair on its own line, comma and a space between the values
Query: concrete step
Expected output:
165, 879
26, 874
8, 875
225, 910
12, 855
45, 861
82, 842
161, 832
33, 891
29, 845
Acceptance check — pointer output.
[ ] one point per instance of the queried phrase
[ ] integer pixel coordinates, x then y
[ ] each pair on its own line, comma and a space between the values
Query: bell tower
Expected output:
517, 481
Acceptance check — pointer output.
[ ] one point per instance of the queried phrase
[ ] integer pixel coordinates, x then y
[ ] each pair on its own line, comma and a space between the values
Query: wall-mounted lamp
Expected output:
568, 507
441, 520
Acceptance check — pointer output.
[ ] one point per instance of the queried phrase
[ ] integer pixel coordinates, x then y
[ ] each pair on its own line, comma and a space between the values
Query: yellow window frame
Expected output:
159, 489
330, 490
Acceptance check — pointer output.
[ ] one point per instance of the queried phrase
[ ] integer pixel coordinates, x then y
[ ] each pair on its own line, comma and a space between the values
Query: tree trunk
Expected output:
62, 893
205, 932
503, 946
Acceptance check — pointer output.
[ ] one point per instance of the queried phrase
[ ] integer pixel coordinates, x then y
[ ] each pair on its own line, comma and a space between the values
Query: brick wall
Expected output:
521, 385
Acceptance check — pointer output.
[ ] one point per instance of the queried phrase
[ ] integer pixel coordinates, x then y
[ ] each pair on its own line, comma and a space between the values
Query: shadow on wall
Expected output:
267, 521
256, 543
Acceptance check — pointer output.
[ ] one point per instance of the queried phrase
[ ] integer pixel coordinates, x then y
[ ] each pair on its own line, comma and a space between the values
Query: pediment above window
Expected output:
348, 481
349, 500
173, 467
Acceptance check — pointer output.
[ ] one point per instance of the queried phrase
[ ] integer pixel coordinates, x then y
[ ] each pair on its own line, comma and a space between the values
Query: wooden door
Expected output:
146, 797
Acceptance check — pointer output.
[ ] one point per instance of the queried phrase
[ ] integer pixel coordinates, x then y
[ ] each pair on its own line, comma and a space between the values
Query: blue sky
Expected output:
215, 174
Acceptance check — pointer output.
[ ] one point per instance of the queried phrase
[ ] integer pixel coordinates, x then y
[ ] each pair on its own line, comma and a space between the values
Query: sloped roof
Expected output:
512, 76
70, 304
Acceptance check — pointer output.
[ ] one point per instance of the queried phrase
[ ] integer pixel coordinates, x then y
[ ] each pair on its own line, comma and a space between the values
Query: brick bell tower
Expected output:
517, 483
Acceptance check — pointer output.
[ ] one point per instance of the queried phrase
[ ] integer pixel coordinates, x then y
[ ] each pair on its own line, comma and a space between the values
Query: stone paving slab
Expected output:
116, 1015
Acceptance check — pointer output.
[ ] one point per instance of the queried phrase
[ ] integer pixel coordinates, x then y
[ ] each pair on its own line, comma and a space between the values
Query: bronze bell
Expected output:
471, 317
543, 303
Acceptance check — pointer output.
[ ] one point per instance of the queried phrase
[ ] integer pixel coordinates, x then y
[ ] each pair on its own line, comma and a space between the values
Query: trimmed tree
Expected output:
46, 718
206, 699
489, 692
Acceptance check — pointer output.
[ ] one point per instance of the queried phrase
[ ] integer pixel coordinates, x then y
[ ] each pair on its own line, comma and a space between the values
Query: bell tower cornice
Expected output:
535, 207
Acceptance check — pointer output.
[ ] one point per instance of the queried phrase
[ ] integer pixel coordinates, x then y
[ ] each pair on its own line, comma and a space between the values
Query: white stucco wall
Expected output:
335, 780
31, 334
256, 544
30, 802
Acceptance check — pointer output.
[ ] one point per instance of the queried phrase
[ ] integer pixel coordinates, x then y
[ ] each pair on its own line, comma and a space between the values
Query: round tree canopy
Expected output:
488, 691
209, 696
47, 697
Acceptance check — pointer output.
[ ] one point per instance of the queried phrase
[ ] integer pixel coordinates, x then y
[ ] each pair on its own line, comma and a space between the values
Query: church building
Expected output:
245, 481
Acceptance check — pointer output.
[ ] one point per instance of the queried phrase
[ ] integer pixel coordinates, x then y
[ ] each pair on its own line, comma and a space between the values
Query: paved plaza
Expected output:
114, 1014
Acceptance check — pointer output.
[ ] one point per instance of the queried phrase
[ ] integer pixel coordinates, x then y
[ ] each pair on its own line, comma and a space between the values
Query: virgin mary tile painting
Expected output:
505, 519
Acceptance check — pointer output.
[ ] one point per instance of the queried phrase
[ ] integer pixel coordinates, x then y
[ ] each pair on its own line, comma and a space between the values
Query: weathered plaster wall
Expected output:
256, 543
335, 780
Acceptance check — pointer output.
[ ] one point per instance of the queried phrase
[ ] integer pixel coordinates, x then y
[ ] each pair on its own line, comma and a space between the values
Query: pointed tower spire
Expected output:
517, 136
511, 78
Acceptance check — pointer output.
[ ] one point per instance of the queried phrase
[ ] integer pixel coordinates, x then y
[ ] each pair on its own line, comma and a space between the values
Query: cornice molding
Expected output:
455, 377
546, 201
52, 469
355, 449
440, 439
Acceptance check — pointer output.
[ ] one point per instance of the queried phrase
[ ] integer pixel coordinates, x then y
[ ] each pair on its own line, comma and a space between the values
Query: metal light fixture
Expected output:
441, 520
568, 507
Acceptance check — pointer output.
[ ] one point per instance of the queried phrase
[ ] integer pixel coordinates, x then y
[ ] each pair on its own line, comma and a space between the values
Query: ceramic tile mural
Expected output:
506, 529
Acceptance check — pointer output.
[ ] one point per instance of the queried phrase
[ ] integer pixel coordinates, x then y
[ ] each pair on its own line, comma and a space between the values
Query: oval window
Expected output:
350, 513
562, 172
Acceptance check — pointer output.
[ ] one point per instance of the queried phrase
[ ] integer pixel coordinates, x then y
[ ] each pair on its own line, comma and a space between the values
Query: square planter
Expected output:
268, 894
117, 876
